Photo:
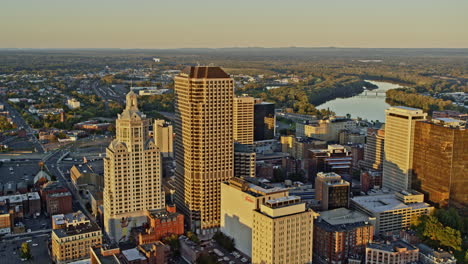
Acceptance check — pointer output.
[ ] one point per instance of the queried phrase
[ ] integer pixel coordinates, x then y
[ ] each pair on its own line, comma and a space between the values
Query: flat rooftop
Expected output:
133, 254
283, 201
405, 108
76, 230
341, 219
384, 202
393, 246
162, 214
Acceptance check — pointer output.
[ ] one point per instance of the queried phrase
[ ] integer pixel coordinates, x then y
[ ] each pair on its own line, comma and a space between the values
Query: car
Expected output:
226, 258
244, 260
28, 241
35, 245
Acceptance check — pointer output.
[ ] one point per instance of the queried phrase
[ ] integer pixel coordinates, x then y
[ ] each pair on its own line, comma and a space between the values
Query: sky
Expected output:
153, 24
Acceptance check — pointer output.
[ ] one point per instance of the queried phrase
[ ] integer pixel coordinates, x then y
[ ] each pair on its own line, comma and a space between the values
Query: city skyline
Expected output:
154, 25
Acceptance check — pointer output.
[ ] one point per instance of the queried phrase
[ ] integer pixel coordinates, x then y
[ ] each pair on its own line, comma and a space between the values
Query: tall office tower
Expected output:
264, 120
400, 122
132, 173
440, 161
331, 190
374, 149
163, 137
244, 120
204, 145
282, 232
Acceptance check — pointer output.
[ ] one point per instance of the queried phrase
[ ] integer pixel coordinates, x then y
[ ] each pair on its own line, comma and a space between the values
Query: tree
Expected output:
25, 252
4, 124
206, 259
193, 237
173, 242
433, 232
224, 241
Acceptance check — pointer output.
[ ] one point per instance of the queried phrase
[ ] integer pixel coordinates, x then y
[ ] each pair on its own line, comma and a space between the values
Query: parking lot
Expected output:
17, 171
10, 249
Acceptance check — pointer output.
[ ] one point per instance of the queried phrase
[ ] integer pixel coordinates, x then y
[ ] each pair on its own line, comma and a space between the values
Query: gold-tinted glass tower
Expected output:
203, 143
400, 122
440, 161
244, 120
132, 173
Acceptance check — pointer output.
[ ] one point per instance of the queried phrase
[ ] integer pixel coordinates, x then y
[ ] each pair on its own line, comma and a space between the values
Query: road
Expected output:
20, 122
52, 162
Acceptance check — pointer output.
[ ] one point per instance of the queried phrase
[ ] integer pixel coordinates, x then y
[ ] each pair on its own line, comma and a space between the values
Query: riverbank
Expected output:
365, 105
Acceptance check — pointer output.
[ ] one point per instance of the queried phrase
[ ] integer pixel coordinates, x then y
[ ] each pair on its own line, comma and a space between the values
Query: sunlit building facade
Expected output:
204, 145
440, 161
400, 122
132, 174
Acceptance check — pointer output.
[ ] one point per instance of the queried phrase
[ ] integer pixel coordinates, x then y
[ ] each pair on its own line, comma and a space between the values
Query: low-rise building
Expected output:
6, 220
336, 158
189, 250
104, 254
73, 241
73, 103
133, 256
155, 253
56, 198
370, 179
326, 129
341, 234
395, 252
428, 255
161, 223
85, 179
21, 205
393, 211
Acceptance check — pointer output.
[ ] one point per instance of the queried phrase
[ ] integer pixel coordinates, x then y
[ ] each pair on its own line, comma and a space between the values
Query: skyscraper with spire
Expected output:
203, 143
132, 173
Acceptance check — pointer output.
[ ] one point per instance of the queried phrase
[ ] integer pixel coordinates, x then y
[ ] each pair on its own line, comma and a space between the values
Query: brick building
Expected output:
161, 223
340, 234
56, 198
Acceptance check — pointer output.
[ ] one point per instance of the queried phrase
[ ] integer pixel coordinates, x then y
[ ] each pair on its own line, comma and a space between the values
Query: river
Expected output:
366, 105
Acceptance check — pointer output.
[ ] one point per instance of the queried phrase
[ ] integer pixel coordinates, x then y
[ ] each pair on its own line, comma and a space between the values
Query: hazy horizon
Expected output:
152, 24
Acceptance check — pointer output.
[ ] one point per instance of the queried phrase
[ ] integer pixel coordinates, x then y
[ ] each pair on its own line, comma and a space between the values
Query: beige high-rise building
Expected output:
400, 124
374, 149
204, 145
244, 120
282, 232
132, 173
239, 199
163, 137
